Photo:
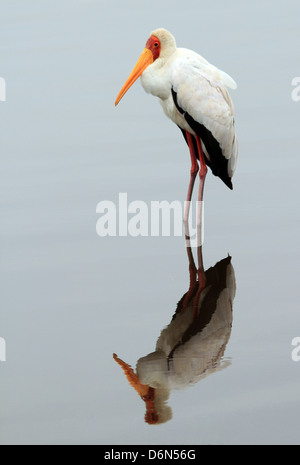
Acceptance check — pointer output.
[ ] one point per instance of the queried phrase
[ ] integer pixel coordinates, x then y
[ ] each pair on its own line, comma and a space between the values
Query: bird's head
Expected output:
161, 44
157, 410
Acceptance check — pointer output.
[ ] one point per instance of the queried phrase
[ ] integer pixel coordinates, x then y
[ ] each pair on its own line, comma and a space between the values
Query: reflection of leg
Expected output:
193, 277
201, 272
201, 280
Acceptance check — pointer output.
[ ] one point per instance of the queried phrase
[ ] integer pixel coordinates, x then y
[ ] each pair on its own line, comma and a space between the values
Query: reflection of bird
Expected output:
193, 94
191, 347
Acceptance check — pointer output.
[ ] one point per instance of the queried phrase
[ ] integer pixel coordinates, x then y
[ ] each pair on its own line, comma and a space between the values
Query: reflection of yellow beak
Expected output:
144, 61
141, 389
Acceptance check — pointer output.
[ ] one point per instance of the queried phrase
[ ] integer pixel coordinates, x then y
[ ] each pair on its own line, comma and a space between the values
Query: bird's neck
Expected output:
156, 78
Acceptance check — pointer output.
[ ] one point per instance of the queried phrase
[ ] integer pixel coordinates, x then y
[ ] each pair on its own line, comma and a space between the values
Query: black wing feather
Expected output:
217, 162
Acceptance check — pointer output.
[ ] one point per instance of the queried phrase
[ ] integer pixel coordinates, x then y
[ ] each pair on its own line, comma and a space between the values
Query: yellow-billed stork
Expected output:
193, 93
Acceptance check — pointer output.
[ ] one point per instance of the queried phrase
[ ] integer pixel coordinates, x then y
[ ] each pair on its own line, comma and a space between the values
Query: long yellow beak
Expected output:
132, 378
143, 62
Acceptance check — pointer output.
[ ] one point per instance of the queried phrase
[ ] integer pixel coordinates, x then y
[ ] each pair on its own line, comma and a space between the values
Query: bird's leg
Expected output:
203, 171
194, 171
192, 266
203, 168
200, 271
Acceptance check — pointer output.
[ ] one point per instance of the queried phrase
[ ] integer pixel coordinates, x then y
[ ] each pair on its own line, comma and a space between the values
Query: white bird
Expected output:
193, 94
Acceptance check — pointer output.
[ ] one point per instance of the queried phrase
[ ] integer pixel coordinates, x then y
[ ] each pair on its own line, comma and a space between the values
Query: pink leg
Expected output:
192, 266
200, 272
194, 171
203, 171
203, 168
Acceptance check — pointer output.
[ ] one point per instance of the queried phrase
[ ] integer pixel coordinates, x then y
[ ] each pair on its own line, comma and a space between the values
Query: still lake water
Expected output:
70, 299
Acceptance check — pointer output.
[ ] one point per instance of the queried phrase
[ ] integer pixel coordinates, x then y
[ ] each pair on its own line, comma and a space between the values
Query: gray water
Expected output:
69, 298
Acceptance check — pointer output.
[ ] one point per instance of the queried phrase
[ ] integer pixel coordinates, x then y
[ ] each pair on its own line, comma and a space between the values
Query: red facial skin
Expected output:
153, 44
151, 417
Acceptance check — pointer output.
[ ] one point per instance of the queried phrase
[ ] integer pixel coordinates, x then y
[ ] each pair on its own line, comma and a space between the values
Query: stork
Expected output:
194, 95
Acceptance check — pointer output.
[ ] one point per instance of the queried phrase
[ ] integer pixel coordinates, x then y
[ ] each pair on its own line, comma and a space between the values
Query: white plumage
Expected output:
202, 353
201, 92
194, 95
192, 346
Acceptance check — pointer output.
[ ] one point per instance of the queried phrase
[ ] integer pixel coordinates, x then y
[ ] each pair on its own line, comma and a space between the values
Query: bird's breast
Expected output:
172, 113
157, 81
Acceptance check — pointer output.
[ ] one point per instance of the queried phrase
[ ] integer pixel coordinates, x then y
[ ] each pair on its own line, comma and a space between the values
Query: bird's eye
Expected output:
156, 44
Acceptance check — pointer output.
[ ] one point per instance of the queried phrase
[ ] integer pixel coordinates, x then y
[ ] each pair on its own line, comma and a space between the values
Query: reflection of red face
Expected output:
151, 417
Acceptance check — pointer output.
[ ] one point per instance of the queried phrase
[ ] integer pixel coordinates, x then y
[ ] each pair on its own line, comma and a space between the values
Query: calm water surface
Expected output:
70, 299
